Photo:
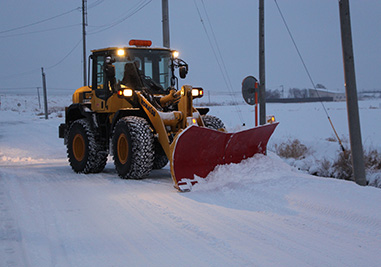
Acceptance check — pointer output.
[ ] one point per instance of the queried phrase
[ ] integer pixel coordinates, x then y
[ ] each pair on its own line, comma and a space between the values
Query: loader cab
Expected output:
147, 67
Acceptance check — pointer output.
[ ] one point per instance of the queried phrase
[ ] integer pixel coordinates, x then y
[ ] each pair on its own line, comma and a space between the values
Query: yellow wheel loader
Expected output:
135, 111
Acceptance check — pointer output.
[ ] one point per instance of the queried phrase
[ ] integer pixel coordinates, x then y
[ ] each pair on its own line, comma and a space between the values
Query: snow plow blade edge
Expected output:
199, 150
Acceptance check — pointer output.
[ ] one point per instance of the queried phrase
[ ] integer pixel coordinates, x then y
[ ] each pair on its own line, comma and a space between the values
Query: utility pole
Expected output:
38, 94
45, 93
165, 20
262, 76
351, 93
84, 24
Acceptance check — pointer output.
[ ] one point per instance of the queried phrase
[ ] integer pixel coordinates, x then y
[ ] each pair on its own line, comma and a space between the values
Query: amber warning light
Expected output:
270, 119
146, 43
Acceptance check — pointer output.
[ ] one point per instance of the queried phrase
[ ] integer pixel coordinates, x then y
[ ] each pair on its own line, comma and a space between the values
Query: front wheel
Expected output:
133, 147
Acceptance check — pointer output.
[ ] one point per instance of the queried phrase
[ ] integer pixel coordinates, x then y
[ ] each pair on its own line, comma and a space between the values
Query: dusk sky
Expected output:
48, 33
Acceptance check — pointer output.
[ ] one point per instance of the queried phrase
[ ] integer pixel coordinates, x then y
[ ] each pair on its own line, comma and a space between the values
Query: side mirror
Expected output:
183, 71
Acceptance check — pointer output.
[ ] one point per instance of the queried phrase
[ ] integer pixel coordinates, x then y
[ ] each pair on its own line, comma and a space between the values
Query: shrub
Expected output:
291, 149
375, 179
324, 169
342, 167
372, 159
331, 139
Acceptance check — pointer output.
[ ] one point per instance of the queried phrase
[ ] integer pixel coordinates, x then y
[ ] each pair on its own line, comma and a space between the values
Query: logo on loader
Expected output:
148, 106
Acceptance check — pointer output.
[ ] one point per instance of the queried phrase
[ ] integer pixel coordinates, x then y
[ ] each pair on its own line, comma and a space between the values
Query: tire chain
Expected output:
97, 157
213, 122
142, 147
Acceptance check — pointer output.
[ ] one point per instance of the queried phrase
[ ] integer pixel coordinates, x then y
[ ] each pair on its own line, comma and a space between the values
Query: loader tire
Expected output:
133, 147
160, 157
214, 123
100, 162
85, 154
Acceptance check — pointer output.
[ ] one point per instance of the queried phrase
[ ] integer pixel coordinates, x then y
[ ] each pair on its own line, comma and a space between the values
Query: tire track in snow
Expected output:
360, 233
224, 226
169, 208
350, 216
37, 195
11, 248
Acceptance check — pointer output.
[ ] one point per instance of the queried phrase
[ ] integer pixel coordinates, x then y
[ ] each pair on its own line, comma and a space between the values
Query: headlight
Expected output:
121, 52
175, 54
197, 92
126, 92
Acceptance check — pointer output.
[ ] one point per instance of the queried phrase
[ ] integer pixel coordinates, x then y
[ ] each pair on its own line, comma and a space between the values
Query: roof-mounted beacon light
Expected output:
140, 43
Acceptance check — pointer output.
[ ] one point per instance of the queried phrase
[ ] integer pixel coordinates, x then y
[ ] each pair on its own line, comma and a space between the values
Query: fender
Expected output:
202, 111
77, 111
126, 112
74, 112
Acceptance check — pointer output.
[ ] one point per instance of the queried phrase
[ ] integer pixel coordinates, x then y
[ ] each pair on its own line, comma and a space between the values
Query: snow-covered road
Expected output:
52, 217
257, 213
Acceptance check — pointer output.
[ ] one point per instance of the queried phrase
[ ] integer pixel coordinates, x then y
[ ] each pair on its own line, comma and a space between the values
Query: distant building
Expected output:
322, 93
371, 94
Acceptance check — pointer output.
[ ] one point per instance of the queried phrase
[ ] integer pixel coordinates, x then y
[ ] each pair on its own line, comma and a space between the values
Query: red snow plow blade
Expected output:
199, 150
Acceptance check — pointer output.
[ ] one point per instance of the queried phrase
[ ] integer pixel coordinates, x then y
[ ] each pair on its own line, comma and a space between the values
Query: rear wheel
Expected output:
84, 152
133, 147
212, 122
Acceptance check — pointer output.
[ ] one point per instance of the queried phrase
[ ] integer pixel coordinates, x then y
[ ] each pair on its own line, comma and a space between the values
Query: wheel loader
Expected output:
134, 110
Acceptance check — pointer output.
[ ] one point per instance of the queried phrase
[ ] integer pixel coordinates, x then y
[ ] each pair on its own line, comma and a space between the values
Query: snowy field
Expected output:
261, 212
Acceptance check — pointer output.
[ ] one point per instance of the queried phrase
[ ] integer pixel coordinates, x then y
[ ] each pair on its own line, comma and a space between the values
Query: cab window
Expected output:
100, 72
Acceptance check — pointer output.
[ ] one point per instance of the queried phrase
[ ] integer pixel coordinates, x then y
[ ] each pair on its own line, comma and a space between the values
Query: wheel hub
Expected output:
79, 147
122, 148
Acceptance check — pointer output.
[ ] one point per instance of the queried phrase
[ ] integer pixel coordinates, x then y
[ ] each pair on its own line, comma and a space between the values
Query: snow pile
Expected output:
241, 176
308, 123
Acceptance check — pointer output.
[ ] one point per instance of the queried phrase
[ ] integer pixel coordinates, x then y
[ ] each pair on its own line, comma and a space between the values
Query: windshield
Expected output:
153, 64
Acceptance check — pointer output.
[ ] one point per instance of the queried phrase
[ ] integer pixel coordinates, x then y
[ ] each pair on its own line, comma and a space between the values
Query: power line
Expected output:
218, 56
140, 5
68, 54
308, 73
34, 87
21, 74
40, 31
130, 12
96, 3
39, 22
38, 69
15, 88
